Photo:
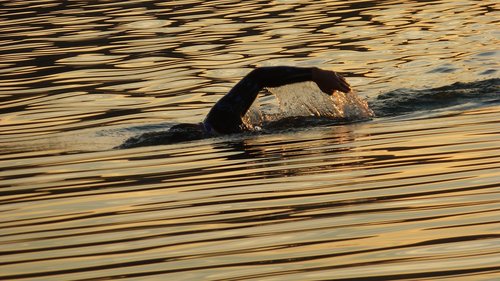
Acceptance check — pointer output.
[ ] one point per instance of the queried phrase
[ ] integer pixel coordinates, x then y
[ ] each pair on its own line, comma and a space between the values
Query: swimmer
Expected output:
226, 116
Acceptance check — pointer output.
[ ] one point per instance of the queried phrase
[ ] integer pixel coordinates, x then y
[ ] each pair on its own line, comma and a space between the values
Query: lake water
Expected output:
413, 193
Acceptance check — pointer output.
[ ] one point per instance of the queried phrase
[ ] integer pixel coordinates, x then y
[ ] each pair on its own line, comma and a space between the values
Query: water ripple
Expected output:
412, 194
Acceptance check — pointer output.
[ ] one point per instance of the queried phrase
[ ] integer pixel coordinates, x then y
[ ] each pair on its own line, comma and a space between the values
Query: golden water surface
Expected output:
402, 197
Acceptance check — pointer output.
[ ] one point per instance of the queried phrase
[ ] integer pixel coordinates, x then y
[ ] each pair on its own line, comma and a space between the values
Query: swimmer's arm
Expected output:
244, 93
327, 81
225, 116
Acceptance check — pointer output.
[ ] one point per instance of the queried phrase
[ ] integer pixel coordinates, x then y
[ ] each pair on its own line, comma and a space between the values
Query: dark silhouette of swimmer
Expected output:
226, 116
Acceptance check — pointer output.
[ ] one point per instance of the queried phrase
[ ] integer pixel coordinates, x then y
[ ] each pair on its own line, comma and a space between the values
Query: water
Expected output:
410, 194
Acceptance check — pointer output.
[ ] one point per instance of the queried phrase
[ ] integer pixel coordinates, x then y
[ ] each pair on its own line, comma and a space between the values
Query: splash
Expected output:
307, 100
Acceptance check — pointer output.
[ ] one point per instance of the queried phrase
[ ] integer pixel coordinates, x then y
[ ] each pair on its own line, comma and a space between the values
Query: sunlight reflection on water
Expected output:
411, 196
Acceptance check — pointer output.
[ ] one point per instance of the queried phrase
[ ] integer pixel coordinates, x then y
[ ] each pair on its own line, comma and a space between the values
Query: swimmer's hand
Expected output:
330, 81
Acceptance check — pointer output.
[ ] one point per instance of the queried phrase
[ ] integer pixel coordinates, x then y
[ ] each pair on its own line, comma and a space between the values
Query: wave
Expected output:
403, 101
303, 105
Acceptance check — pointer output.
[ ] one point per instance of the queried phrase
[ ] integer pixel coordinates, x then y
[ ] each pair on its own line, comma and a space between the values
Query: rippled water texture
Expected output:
412, 194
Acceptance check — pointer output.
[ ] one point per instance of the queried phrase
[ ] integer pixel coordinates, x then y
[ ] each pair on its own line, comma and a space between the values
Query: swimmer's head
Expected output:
176, 134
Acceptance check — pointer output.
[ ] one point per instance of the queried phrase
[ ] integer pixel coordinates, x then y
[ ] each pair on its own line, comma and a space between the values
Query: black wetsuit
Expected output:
226, 115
